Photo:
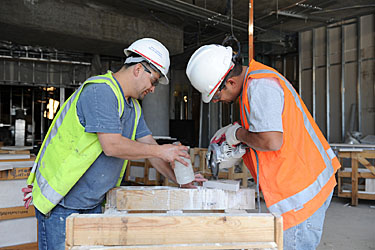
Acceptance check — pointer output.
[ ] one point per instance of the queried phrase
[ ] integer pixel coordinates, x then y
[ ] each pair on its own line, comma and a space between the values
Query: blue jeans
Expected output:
307, 235
51, 228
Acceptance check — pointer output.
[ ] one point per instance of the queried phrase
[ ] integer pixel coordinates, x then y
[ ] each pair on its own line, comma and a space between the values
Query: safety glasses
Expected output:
154, 81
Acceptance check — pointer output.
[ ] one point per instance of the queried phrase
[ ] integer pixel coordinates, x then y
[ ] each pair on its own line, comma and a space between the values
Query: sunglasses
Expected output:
154, 81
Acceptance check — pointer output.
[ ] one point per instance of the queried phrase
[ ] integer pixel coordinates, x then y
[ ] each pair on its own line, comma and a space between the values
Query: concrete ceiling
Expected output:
107, 26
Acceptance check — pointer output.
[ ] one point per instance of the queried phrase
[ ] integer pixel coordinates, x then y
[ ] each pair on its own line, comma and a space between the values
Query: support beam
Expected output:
81, 27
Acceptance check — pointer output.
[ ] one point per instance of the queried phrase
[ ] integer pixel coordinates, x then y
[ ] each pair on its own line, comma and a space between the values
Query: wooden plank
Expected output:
15, 173
354, 180
69, 237
360, 174
29, 246
32, 158
245, 245
170, 198
22, 152
16, 212
279, 231
366, 163
160, 229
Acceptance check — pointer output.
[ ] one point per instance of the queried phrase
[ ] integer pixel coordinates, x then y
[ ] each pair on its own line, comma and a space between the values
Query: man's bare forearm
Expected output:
262, 141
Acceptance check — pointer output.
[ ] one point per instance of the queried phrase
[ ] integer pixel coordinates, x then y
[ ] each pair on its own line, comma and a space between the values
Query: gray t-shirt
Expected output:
266, 97
97, 110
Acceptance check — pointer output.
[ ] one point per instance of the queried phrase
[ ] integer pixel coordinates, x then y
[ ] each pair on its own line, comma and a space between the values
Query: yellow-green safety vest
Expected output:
68, 151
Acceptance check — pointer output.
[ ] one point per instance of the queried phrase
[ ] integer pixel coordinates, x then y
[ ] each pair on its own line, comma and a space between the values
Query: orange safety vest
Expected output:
298, 178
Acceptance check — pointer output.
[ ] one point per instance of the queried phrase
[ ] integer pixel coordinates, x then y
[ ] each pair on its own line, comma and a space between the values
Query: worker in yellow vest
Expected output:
296, 164
96, 131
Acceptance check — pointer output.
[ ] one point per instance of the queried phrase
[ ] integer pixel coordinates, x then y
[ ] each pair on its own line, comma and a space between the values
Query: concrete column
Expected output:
155, 107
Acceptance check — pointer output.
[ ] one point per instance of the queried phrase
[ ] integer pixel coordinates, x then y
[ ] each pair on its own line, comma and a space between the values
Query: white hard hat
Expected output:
154, 53
208, 67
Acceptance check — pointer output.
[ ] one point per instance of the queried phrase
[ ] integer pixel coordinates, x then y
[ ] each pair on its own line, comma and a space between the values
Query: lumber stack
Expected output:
18, 226
173, 218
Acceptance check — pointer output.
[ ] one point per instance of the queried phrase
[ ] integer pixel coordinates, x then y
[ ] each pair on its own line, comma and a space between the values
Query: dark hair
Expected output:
237, 69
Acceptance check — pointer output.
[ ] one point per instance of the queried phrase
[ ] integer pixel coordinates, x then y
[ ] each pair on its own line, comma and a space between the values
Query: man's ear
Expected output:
137, 69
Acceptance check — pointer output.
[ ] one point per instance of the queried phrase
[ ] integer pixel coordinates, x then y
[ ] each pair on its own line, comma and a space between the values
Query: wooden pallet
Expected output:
173, 218
354, 173
145, 179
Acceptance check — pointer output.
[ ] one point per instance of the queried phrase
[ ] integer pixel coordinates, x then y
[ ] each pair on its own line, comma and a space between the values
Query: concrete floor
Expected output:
346, 227
349, 227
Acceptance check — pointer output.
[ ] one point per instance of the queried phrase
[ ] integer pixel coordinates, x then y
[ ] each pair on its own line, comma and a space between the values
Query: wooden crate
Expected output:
173, 218
360, 168
144, 166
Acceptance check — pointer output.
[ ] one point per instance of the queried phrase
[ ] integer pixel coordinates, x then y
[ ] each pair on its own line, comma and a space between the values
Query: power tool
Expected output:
222, 156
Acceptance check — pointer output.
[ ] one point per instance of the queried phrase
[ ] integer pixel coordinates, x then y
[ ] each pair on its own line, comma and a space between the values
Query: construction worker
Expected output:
296, 164
97, 128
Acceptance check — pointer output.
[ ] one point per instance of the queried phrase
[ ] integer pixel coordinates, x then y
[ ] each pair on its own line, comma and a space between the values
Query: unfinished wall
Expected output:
338, 86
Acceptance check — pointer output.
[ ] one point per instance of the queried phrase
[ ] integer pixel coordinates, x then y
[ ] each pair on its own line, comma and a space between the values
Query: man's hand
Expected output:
27, 196
172, 153
198, 178
230, 134
219, 136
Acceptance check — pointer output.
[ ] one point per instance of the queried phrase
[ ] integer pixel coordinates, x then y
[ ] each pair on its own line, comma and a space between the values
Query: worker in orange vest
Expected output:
296, 164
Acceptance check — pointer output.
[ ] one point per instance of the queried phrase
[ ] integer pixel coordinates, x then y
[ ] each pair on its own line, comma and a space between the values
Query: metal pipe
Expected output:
42, 105
33, 116
342, 83
328, 68
359, 68
313, 76
181, 8
251, 30
304, 17
10, 105
299, 64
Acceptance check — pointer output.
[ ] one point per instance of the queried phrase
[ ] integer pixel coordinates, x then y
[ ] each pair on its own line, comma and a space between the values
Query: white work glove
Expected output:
230, 134
27, 196
219, 136
231, 155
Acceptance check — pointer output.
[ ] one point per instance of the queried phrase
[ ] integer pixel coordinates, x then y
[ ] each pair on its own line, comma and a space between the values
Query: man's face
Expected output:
150, 80
226, 95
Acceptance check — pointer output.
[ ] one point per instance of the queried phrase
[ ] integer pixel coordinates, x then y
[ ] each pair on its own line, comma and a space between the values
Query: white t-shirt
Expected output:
266, 97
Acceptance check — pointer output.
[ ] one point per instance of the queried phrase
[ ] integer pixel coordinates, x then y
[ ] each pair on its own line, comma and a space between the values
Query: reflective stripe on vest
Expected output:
47, 191
296, 201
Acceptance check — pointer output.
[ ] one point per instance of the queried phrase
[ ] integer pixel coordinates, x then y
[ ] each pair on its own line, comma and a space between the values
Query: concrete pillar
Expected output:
155, 107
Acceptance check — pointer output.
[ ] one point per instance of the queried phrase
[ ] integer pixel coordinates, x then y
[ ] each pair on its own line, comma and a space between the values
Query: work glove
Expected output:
231, 155
219, 136
230, 134
27, 196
